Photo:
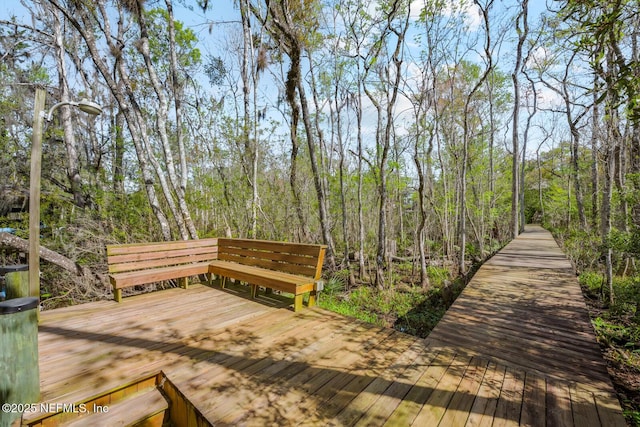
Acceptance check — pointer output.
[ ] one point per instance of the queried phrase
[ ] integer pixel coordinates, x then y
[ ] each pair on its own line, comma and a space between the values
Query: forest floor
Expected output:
618, 335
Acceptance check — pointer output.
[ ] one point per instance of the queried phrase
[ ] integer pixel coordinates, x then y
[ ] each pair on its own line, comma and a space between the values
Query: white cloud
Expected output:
538, 58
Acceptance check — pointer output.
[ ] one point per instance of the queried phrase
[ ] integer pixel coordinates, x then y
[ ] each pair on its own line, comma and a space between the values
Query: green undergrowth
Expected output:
617, 328
407, 308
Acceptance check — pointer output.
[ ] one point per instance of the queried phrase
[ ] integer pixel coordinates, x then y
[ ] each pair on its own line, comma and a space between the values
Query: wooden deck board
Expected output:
516, 348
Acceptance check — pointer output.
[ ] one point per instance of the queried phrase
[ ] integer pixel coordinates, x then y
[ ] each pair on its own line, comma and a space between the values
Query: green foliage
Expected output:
592, 282
369, 304
438, 276
615, 334
582, 247
186, 39
408, 309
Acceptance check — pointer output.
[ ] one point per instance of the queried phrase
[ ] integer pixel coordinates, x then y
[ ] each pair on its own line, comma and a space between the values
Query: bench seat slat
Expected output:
296, 269
291, 283
141, 277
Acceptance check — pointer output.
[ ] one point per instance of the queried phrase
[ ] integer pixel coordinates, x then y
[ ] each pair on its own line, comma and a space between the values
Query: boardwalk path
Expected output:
515, 348
524, 312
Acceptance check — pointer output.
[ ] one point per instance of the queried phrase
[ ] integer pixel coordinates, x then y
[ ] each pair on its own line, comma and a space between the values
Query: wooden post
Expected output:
19, 372
34, 193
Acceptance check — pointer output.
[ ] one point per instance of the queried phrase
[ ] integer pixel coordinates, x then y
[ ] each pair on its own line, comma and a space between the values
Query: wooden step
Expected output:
146, 409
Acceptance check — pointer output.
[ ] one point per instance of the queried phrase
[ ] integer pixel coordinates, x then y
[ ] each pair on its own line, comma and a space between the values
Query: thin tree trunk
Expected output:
73, 159
317, 178
462, 214
595, 182
123, 94
179, 210
181, 188
515, 162
118, 154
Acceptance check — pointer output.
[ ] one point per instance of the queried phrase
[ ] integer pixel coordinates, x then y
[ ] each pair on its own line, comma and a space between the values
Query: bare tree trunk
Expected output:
181, 184
361, 232
122, 92
179, 210
606, 206
515, 181
118, 154
73, 159
534, 109
595, 183
292, 82
53, 257
317, 179
250, 150
462, 214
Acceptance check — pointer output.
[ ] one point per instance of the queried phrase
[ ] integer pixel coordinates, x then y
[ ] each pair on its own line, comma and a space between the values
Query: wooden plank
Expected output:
300, 372
583, 405
609, 410
128, 248
261, 277
122, 280
304, 270
167, 253
484, 406
435, 407
280, 257
401, 377
165, 261
509, 404
457, 412
534, 401
286, 247
131, 411
413, 401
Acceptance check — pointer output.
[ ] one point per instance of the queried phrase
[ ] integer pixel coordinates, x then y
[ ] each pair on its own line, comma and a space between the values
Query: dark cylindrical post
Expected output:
16, 280
19, 373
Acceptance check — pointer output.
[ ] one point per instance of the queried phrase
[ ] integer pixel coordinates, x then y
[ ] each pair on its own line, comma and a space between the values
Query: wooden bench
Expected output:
289, 267
143, 263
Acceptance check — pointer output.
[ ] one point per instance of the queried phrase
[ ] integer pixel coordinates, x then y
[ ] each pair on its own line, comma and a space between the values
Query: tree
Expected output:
294, 27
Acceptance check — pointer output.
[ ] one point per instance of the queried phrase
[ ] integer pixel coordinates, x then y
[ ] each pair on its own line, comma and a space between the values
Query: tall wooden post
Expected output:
34, 193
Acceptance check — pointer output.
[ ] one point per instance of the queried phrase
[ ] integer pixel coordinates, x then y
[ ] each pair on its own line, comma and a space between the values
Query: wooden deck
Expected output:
516, 348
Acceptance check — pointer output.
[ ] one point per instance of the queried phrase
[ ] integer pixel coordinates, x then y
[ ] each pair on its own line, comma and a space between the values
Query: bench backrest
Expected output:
295, 258
140, 256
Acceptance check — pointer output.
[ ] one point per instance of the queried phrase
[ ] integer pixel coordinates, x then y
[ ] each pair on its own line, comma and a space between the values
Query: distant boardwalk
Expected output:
524, 319
516, 348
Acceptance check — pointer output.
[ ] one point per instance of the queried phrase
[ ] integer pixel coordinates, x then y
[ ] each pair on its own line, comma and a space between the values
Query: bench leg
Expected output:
313, 295
117, 295
184, 283
254, 291
297, 302
224, 281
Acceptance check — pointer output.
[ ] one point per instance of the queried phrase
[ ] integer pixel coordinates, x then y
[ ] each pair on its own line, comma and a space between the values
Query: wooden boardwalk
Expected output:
516, 348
